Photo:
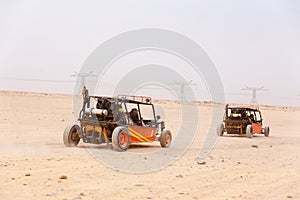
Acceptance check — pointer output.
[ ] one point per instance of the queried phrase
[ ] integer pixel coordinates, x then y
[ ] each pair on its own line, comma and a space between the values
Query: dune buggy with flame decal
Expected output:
120, 120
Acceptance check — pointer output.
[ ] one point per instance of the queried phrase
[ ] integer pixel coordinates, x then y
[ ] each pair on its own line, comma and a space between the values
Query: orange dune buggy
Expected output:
243, 121
118, 120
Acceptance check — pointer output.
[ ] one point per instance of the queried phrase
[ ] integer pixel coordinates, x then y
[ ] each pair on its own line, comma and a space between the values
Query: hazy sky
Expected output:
252, 43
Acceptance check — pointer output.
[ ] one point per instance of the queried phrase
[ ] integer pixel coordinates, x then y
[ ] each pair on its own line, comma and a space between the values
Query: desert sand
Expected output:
33, 158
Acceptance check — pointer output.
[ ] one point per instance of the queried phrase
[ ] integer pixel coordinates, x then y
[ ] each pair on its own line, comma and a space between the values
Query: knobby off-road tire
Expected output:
120, 139
71, 135
220, 129
165, 139
267, 131
249, 131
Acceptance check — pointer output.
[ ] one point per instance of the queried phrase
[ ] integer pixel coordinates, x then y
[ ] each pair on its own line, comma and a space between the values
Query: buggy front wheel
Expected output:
120, 139
165, 139
267, 131
249, 131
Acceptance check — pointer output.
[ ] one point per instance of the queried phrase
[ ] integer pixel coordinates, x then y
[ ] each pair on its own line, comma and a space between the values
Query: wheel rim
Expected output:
168, 138
74, 136
123, 139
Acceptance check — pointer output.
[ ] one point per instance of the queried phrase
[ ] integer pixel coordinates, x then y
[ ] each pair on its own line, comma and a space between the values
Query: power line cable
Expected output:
36, 80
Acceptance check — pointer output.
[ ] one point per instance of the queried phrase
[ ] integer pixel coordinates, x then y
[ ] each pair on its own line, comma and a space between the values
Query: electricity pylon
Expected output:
182, 86
83, 77
254, 91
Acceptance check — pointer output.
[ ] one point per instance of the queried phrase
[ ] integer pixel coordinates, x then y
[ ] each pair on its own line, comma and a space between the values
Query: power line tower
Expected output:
83, 77
254, 91
182, 86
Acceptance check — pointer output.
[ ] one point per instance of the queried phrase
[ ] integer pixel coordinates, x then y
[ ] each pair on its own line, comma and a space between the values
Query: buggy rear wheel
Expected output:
220, 129
120, 139
165, 139
71, 135
266, 131
249, 131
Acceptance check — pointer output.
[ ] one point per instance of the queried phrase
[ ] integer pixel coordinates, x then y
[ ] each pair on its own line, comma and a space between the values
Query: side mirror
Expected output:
158, 117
